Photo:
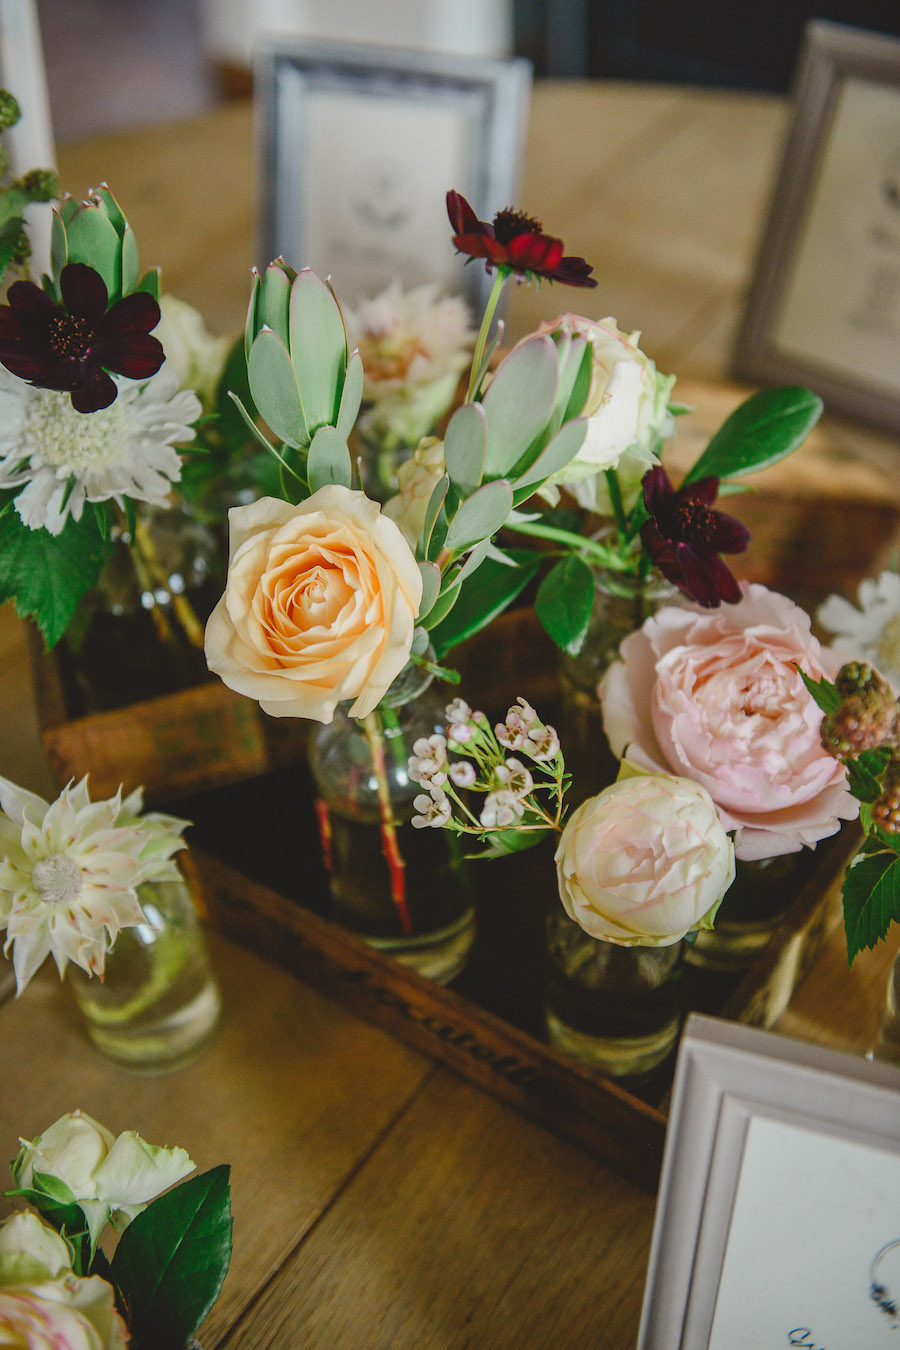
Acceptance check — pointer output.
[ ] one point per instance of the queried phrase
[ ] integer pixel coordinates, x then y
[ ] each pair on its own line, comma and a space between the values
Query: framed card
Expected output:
358, 147
778, 1222
824, 309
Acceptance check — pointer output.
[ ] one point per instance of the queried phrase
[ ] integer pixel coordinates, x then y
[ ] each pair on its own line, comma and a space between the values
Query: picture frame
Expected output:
358, 147
824, 305
777, 1222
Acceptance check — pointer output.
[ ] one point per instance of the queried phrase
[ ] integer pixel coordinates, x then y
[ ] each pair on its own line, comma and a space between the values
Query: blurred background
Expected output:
114, 63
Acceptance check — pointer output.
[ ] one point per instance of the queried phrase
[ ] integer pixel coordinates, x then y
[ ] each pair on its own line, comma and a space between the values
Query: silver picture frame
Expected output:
358, 147
778, 1219
824, 305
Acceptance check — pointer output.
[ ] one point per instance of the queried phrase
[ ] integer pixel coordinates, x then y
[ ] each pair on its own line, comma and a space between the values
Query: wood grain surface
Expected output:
381, 1201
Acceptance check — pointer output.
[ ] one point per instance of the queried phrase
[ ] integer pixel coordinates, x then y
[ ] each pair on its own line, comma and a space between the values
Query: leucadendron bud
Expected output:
302, 375
96, 232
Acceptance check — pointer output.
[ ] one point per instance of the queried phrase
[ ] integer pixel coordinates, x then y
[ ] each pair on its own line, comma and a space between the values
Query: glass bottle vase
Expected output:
622, 601
401, 889
751, 910
158, 1003
616, 1009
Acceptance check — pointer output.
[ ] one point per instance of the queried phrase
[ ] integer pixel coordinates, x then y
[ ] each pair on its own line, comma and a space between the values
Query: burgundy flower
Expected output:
71, 346
514, 242
684, 537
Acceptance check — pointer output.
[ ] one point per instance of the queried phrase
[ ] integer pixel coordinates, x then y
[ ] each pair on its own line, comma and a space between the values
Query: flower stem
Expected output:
145, 550
615, 498
372, 727
483, 331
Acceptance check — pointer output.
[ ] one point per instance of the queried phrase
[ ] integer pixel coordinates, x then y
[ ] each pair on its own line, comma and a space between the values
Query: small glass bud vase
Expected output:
762, 890
887, 1041
622, 601
158, 1003
616, 1009
401, 889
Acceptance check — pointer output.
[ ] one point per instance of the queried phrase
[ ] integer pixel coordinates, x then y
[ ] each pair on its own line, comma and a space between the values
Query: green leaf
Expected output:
519, 403
823, 691
130, 264
59, 251
444, 603
485, 595
328, 460
560, 452
275, 391
273, 303
764, 429
172, 1258
564, 602
351, 395
251, 323
465, 447
864, 774
581, 387
149, 282
475, 559
504, 842
251, 425
318, 348
480, 515
431, 585
48, 574
10, 233
871, 900
432, 511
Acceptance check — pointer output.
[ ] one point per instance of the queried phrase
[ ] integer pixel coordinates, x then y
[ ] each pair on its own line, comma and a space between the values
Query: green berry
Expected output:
10, 111
41, 184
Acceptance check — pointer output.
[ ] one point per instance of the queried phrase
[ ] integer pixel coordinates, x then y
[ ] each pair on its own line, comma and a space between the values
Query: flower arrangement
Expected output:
70, 872
59, 1290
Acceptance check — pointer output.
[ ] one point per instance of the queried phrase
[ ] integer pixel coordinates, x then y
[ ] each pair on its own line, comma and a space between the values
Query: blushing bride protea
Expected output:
62, 459
69, 873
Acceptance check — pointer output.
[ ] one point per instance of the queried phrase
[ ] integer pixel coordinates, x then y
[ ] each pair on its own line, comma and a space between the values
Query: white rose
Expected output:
627, 412
108, 1176
319, 606
64, 1314
196, 357
644, 862
417, 478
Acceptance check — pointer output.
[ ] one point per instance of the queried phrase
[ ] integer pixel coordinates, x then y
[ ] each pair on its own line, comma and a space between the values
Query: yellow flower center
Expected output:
57, 879
79, 442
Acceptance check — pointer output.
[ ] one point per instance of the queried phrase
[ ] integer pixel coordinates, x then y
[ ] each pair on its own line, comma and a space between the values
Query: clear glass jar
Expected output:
887, 1041
401, 889
139, 632
616, 1009
158, 1003
753, 906
622, 602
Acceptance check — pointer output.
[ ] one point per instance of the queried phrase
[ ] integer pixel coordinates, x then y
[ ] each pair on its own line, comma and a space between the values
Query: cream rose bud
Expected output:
107, 1175
627, 412
645, 862
30, 1251
319, 606
417, 478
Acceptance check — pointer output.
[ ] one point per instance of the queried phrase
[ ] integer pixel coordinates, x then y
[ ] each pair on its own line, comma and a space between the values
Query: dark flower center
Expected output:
508, 223
68, 336
694, 522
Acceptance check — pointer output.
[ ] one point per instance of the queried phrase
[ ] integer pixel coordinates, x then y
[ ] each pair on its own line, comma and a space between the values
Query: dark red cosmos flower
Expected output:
71, 346
684, 537
514, 242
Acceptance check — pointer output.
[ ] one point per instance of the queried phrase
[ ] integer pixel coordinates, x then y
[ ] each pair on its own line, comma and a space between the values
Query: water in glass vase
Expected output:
158, 1003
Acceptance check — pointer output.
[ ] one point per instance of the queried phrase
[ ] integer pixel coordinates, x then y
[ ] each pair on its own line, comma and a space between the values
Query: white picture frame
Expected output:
358, 147
779, 1203
824, 306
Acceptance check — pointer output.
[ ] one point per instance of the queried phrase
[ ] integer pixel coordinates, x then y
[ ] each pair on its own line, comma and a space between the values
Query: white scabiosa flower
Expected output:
62, 459
870, 632
69, 874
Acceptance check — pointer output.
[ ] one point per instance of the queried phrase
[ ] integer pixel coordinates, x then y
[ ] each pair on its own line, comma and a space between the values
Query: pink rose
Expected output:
64, 1314
644, 862
319, 606
714, 696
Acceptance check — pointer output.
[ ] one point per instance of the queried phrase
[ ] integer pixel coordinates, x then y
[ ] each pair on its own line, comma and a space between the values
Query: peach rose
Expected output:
644, 862
715, 696
319, 606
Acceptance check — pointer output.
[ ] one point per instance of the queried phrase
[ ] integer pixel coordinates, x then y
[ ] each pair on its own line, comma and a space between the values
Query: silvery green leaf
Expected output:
475, 559
443, 605
59, 252
435, 502
351, 395
420, 642
581, 387
149, 282
251, 323
519, 403
485, 595
480, 515
328, 460
465, 448
274, 304
250, 424
555, 456
495, 554
431, 585
130, 265
438, 537
273, 385
571, 357
318, 348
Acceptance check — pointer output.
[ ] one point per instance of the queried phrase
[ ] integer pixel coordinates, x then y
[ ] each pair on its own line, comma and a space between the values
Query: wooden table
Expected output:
380, 1201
